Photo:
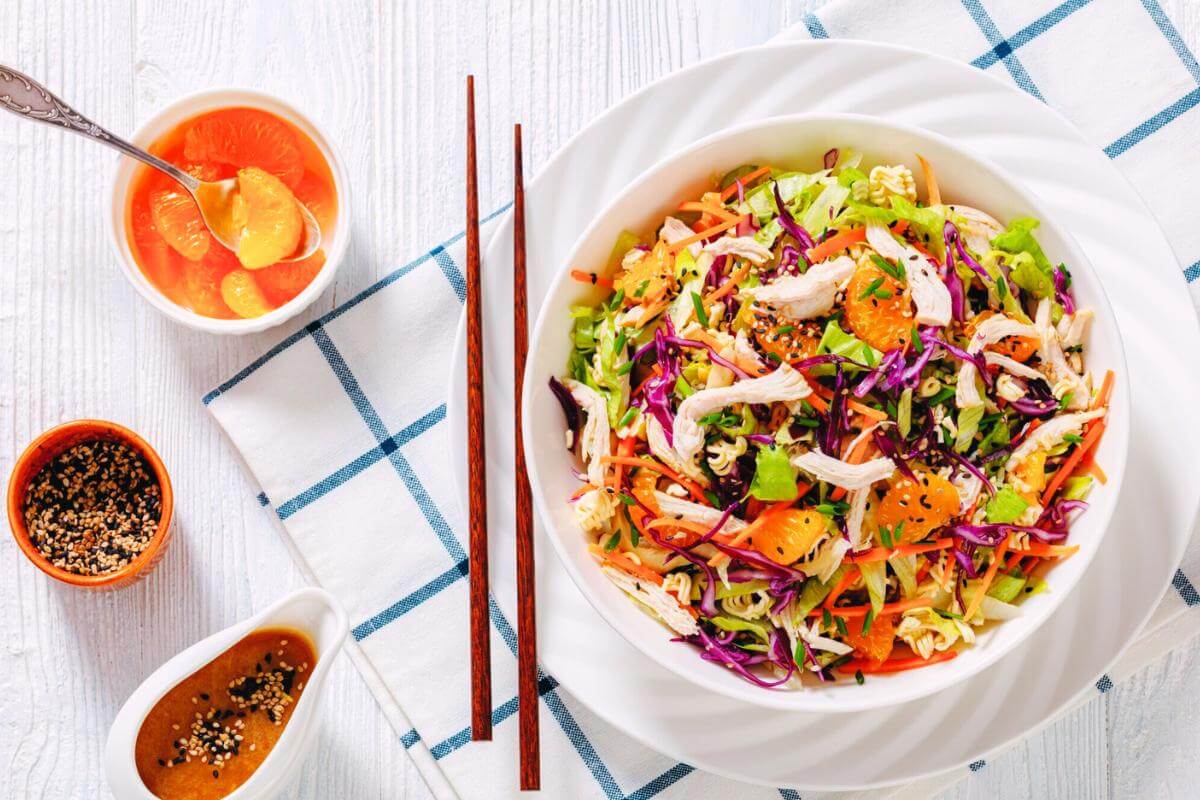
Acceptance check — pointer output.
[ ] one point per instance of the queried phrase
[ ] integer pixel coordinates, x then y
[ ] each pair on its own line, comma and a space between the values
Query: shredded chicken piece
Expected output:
977, 228
1062, 378
1050, 434
694, 512
594, 442
1072, 328
656, 438
676, 230
859, 539
929, 294
1011, 365
990, 331
840, 473
746, 247
656, 598
805, 296
781, 386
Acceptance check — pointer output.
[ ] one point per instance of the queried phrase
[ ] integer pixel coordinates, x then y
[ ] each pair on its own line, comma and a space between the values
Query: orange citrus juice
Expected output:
277, 165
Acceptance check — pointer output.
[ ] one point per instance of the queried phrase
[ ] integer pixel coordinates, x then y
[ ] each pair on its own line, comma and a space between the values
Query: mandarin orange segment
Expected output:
317, 197
246, 137
649, 278
923, 507
273, 225
161, 265
204, 171
789, 535
241, 293
177, 219
786, 341
202, 285
885, 323
877, 643
1019, 348
282, 282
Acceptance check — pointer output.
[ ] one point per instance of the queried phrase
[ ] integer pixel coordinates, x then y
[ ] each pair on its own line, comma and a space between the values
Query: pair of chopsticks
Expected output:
481, 679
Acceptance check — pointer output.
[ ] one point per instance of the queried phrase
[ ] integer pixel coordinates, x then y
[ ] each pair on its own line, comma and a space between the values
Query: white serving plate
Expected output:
1084, 192
799, 141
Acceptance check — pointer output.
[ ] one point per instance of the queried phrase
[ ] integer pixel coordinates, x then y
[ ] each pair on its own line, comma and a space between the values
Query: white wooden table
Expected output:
77, 341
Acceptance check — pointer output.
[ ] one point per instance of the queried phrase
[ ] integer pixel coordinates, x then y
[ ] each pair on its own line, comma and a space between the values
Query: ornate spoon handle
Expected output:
27, 98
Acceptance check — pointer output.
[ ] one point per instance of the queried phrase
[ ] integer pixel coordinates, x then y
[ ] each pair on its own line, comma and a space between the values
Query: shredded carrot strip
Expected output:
622, 562
1090, 466
848, 578
1049, 550
884, 553
651, 311
728, 286
835, 243
895, 664
592, 278
1106, 387
693, 488
932, 192
719, 213
1094, 432
888, 608
624, 449
825, 394
582, 490
843, 240
743, 363
988, 577
707, 233
746, 180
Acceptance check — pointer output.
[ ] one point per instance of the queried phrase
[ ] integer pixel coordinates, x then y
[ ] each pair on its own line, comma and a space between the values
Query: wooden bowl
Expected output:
58, 440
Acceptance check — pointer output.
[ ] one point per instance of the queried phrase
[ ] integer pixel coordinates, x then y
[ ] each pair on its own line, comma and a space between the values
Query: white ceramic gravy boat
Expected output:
312, 611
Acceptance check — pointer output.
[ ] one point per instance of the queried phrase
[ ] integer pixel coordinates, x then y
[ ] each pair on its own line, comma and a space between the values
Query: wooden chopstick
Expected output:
481, 640
527, 678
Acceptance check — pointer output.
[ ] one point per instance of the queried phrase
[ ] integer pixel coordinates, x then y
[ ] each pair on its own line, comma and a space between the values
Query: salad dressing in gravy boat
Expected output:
311, 612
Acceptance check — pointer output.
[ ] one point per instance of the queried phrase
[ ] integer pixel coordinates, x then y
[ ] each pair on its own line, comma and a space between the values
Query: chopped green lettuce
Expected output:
905, 568
824, 209
1005, 506
875, 577
968, 425
626, 241
1005, 588
837, 341
1077, 488
774, 475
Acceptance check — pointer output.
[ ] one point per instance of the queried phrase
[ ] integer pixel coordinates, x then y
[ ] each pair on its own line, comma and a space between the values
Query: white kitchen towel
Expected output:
355, 468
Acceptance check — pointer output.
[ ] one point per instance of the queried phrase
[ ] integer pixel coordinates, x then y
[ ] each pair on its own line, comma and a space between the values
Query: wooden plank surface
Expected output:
385, 79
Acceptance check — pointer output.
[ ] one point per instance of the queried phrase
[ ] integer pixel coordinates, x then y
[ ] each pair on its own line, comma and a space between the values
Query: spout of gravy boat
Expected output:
313, 612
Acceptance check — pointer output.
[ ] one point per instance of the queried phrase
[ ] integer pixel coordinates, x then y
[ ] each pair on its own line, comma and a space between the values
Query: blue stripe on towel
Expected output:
815, 27
1185, 588
1029, 33
988, 27
1154, 124
411, 601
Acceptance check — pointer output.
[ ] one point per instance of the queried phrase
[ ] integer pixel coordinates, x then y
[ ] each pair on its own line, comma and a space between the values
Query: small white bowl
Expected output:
800, 141
161, 123
313, 612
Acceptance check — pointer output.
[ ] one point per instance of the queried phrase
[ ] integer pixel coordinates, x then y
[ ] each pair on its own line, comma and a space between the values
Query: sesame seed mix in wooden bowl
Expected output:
89, 502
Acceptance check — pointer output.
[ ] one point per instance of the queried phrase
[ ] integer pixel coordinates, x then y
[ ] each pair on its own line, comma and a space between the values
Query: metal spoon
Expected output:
27, 98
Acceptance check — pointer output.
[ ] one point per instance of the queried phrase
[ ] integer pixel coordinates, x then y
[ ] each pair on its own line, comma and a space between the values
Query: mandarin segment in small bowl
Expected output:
58, 440
279, 159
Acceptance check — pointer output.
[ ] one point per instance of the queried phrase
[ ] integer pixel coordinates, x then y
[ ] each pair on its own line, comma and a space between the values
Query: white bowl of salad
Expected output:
830, 414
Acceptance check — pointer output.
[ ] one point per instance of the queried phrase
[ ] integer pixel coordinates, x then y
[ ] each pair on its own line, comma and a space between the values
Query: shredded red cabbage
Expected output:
889, 449
991, 535
951, 279
570, 407
831, 158
1061, 281
952, 234
791, 226
963, 553
735, 658
708, 598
